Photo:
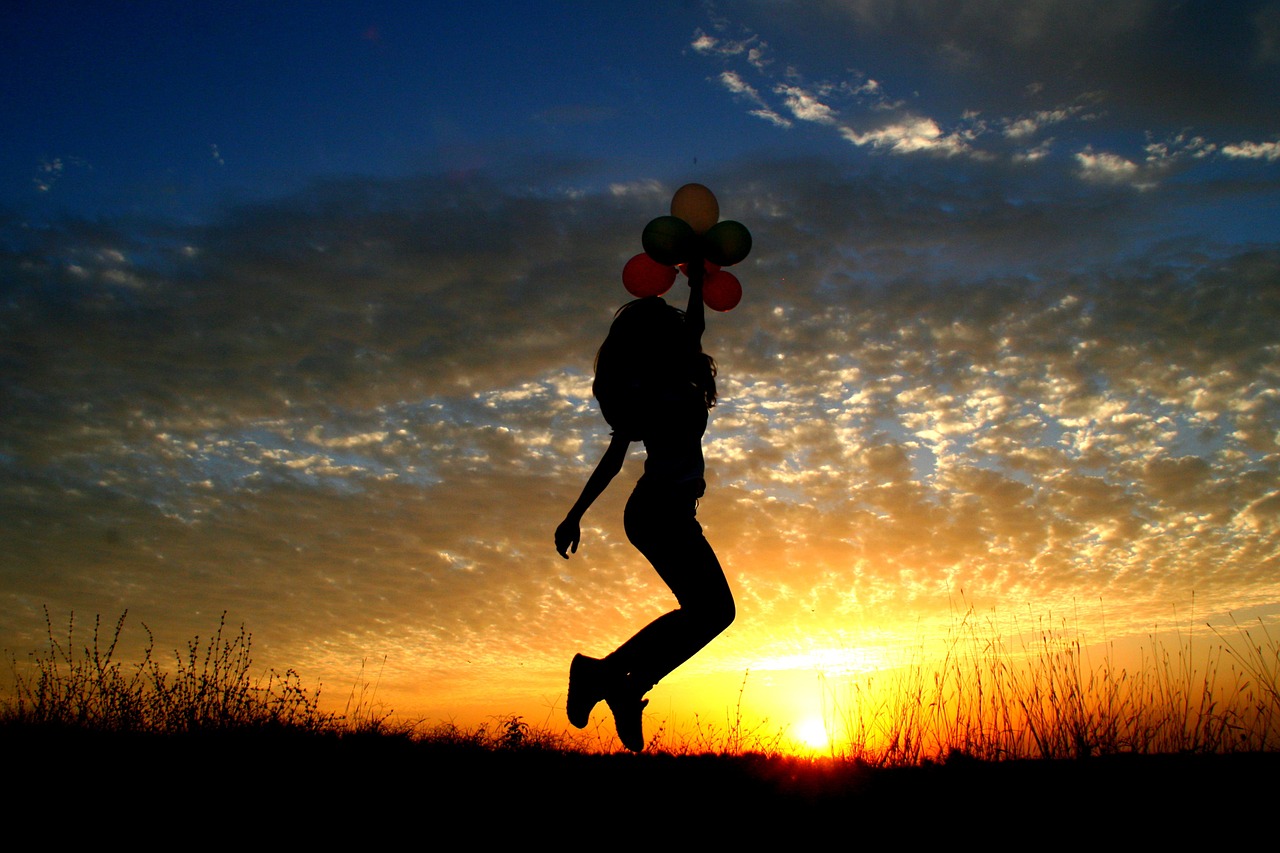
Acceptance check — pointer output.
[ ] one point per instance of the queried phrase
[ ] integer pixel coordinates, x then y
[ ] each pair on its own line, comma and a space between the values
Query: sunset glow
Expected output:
813, 734
298, 324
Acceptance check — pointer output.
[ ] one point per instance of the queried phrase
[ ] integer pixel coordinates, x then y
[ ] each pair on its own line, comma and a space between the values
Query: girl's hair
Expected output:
648, 349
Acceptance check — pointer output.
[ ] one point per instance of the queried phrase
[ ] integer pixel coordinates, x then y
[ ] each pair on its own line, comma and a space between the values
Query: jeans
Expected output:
660, 521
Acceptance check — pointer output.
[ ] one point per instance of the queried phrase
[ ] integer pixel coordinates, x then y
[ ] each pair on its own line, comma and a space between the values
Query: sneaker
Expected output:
627, 716
586, 687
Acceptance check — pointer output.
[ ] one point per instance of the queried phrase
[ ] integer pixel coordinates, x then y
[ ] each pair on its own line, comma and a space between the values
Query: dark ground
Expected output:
385, 790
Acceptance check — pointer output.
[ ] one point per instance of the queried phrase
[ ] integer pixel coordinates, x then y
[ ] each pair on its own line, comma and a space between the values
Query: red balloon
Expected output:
722, 291
643, 276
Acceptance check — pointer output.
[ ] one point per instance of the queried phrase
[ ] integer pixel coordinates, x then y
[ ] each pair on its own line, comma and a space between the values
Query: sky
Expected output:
299, 301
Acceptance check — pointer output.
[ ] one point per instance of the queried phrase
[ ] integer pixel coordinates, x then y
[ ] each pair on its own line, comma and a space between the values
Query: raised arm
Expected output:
569, 533
694, 316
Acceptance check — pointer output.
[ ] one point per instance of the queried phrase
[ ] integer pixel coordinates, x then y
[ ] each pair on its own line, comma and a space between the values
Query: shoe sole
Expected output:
635, 745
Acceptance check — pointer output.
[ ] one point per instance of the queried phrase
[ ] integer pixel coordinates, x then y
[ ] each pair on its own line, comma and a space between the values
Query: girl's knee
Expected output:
718, 612
726, 612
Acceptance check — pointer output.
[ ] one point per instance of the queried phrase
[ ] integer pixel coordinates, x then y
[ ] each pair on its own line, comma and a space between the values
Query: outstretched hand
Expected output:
567, 536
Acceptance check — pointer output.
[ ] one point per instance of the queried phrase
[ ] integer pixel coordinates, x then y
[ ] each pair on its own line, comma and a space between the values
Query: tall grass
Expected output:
209, 686
990, 694
738, 734
1042, 696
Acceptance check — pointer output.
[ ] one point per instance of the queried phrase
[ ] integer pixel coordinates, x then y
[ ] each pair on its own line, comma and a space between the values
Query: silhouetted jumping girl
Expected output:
655, 385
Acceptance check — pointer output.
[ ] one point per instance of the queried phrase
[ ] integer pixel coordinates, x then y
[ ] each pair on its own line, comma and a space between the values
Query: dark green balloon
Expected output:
726, 243
669, 240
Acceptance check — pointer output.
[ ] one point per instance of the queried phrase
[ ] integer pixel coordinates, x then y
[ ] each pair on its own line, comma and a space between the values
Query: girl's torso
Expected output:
671, 429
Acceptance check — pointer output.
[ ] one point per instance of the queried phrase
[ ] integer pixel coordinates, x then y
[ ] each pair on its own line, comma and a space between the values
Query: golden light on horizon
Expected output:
813, 734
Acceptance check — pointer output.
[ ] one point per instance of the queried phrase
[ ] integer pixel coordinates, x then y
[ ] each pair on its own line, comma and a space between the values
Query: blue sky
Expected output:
300, 300
144, 106
134, 98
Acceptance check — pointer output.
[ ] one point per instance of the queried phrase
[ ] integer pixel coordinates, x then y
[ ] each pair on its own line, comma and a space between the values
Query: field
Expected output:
1040, 736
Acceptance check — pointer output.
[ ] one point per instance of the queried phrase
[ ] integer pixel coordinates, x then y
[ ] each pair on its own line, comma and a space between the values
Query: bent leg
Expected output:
671, 539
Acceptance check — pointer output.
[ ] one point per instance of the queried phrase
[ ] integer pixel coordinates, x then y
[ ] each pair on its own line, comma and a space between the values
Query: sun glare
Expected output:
812, 733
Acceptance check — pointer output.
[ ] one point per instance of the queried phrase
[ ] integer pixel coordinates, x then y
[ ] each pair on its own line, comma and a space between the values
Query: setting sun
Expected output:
813, 733
308, 334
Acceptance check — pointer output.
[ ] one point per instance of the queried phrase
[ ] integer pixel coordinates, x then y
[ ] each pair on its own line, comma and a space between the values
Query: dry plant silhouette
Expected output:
1043, 696
1029, 695
209, 686
955, 738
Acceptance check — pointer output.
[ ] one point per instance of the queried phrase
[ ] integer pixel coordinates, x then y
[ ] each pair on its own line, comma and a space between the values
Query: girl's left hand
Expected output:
567, 536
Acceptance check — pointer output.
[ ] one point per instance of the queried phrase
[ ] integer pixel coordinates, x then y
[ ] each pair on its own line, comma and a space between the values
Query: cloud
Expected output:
1000, 75
1030, 125
735, 84
1161, 157
1195, 64
1269, 151
372, 400
646, 188
751, 48
805, 106
908, 133
1102, 166
708, 44
915, 134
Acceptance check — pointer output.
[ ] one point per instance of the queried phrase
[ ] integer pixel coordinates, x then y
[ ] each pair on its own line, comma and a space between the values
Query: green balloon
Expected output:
668, 240
726, 243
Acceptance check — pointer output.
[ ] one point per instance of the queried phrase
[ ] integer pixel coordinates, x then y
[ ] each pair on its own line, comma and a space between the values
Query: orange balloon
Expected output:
722, 291
696, 205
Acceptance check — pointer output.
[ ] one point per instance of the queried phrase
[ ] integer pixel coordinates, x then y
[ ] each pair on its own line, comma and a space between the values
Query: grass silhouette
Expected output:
210, 687
985, 698
1044, 697
199, 738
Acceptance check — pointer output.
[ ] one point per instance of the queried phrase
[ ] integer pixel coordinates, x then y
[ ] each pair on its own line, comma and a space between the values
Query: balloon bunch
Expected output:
692, 234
